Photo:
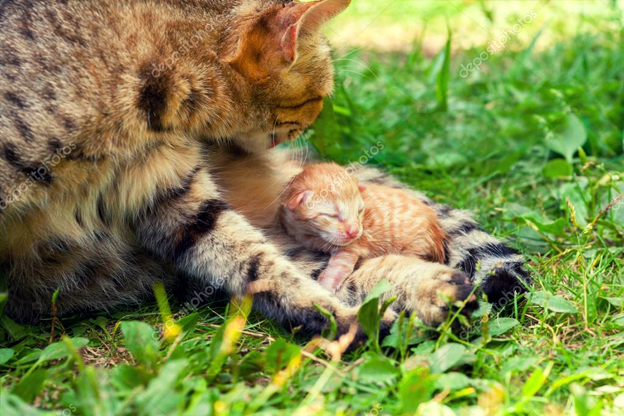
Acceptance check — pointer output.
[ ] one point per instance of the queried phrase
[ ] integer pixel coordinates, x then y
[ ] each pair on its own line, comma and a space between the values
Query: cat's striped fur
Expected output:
112, 166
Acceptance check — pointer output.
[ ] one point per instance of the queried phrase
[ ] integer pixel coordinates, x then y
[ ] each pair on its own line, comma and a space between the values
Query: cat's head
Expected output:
325, 201
286, 63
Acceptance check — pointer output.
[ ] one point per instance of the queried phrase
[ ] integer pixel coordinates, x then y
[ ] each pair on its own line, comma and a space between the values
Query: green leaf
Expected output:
161, 396
484, 308
378, 370
217, 357
452, 381
15, 330
559, 304
189, 322
556, 228
568, 137
252, 363
279, 354
382, 287
59, 350
499, 326
446, 357
535, 381
553, 302
330, 332
415, 388
94, 394
141, 341
583, 403
518, 364
617, 302
399, 335
443, 76
12, 405
6, 354
557, 168
127, 378
369, 315
30, 386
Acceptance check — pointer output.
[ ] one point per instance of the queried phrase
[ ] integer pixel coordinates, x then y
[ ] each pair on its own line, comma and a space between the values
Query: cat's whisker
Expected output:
347, 54
359, 62
354, 72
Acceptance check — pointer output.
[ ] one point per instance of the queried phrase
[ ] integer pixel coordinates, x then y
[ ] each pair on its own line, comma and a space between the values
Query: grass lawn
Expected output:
531, 140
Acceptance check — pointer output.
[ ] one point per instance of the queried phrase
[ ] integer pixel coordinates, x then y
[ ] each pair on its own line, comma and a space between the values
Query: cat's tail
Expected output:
494, 266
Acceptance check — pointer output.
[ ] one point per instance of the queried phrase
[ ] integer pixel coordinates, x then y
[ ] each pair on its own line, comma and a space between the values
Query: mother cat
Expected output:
114, 116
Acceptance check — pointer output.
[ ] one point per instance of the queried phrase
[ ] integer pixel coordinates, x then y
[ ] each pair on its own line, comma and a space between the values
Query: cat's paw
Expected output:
448, 288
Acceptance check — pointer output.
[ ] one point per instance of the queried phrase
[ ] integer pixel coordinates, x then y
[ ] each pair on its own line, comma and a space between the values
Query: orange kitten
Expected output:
326, 209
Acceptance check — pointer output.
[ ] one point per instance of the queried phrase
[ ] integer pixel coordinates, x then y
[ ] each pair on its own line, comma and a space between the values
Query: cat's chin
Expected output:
255, 143
260, 142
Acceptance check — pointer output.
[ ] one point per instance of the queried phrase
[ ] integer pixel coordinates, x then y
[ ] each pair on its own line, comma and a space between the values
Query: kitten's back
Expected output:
395, 221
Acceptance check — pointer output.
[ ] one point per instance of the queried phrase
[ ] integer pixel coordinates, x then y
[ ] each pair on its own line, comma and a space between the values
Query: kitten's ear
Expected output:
298, 199
361, 187
305, 18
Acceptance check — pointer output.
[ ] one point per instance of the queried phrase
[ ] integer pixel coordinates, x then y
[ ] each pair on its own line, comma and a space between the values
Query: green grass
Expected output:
502, 142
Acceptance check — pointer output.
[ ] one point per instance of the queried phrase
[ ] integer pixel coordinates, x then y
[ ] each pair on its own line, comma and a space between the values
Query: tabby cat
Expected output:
324, 208
124, 129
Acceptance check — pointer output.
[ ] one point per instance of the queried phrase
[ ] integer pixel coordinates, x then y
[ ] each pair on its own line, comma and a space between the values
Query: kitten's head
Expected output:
278, 49
324, 201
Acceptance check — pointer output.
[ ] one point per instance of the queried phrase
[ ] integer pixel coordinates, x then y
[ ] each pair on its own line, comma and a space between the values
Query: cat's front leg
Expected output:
340, 266
420, 286
190, 225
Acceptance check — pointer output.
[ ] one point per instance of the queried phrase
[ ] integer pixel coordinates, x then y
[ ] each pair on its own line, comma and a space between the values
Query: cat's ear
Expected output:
298, 199
306, 18
361, 187
271, 41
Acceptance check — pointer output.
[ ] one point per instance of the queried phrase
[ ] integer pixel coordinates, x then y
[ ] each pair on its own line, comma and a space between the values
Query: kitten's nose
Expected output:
352, 230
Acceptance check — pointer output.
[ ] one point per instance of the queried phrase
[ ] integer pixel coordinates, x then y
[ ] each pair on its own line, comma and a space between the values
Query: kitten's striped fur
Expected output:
326, 209
147, 191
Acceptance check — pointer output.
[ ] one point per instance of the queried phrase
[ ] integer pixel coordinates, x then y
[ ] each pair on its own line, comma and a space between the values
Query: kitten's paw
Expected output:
330, 280
434, 295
